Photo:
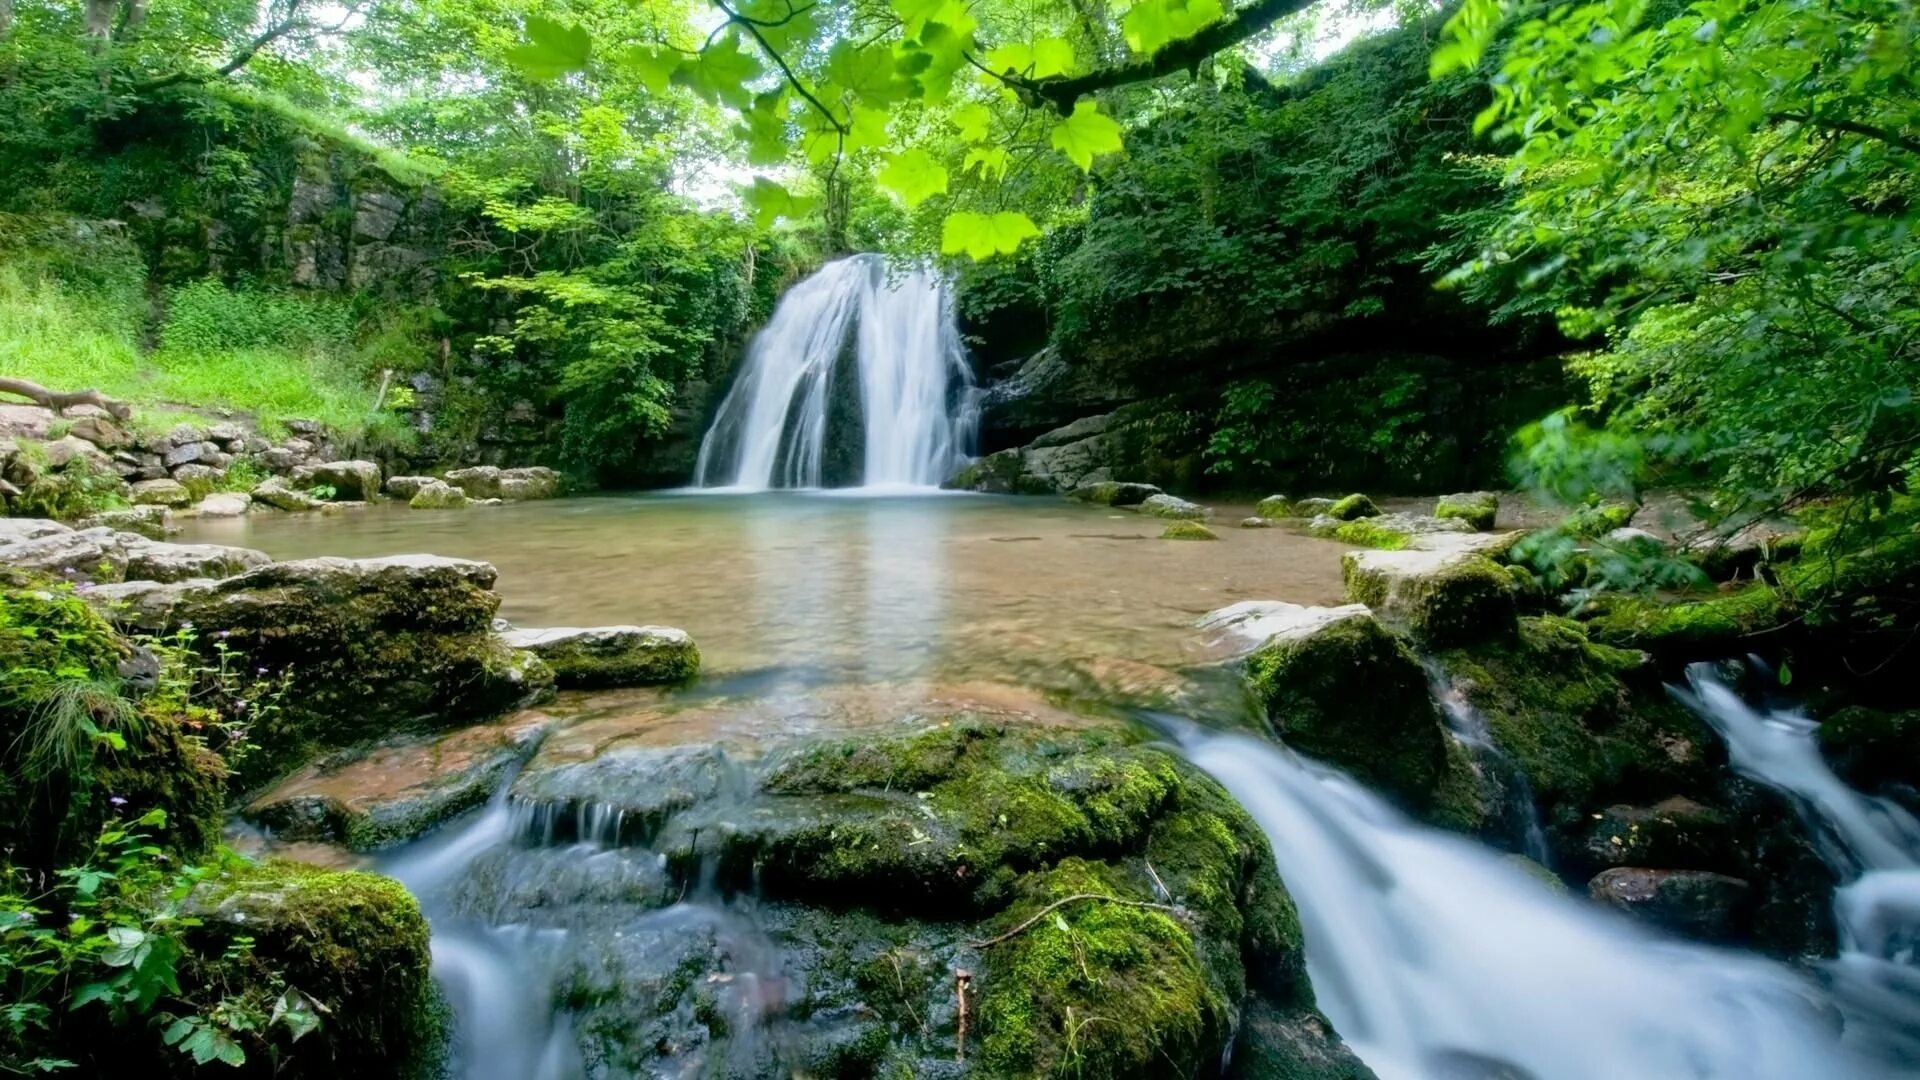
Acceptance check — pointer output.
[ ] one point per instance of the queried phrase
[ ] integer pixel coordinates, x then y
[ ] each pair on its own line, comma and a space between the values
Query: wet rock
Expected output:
1255, 522
406, 487
606, 656
350, 480
998, 473
1340, 687
436, 495
1188, 530
1476, 508
152, 522
1113, 493
394, 793
1444, 598
224, 504
1162, 505
1352, 508
277, 493
488, 482
1253, 623
373, 647
1695, 902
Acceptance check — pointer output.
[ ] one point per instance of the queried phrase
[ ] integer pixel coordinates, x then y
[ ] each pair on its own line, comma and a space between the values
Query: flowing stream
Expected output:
784, 423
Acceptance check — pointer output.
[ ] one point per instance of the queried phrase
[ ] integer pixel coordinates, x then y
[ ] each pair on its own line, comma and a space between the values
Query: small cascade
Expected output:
1519, 811
794, 420
1873, 844
1437, 956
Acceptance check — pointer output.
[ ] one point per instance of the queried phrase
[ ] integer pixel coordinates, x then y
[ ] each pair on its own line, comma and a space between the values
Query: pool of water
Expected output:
851, 588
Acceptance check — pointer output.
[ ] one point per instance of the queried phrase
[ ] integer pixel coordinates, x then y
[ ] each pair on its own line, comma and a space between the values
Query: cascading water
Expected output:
1437, 957
1873, 844
778, 425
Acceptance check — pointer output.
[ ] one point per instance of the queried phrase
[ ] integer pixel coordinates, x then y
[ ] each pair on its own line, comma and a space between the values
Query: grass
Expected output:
70, 337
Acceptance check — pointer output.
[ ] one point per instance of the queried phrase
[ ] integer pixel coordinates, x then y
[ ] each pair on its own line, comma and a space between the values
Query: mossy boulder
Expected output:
1274, 506
353, 943
437, 495
1350, 692
996, 473
605, 656
1163, 505
371, 647
1443, 598
1353, 507
511, 485
406, 487
351, 481
1874, 749
1597, 520
1476, 508
1112, 493
1588, 724
1188, 530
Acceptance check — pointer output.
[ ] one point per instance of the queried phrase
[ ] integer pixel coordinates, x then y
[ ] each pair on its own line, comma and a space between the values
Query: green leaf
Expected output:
764, 129
1151, 25
867, 129
1786, 674
1052, 56
654, 67
990, 162
939, 54
867, 74
720, 73
1086, 134
553, 49
92, 992
914, 176
770, 202
973, 122
1465, 37
982, 236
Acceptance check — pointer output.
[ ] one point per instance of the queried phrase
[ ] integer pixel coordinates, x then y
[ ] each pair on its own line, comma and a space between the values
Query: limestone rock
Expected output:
1113, 493
148, 560
605, 656
1476, 508
152, 522
88, 555
198, 476
406, 487
19, 530
63, 451
224, 504
395, 792
437, 495
489, 482
1444, 598
1340, 687
1187, 530
277, 493
351, 481
1696, 902
1163, 505
168, 492
195, 453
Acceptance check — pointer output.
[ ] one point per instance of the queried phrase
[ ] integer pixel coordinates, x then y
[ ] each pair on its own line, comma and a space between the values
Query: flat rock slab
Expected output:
103, 554
610, 656
395, 793
1253, 623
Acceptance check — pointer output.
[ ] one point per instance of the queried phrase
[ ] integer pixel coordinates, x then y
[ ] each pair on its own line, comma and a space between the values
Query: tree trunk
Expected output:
6, 17
98, 20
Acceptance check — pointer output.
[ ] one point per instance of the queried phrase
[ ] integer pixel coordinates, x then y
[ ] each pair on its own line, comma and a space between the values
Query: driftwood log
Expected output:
61, 402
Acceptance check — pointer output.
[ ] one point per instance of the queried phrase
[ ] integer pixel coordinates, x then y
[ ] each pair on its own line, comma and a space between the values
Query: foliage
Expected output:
1727, 193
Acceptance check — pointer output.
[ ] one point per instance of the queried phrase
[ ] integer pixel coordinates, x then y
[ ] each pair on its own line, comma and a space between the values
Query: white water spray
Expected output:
1438, 957
916, 394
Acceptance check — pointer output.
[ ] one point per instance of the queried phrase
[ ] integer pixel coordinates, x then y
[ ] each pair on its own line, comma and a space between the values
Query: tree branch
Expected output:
60, 402
1182, 55
1853, 127
780, 61
291, 23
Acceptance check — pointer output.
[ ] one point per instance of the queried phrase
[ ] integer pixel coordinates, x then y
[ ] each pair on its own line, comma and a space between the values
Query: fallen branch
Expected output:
1063, 902
61, 402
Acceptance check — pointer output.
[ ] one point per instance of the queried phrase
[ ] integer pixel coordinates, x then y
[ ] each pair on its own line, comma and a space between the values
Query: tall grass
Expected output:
272, 355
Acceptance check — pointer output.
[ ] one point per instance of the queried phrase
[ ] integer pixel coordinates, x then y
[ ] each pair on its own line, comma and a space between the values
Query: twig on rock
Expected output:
1063, 902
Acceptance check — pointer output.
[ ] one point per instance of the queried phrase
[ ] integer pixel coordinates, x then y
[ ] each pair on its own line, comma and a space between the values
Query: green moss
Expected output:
1442, 600
591, 663
1353, 694
1562, 707
1353, 507
1364, 533
1106, 990
438, 497
1592, 521
1274, 506
1714, 626
1187, 530
1872, 748
1476, 508
356, 943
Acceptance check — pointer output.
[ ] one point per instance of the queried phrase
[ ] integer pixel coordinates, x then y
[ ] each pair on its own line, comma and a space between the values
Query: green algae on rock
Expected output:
1188, 530
1353, 507
610, 656
1476, 508
1443, 598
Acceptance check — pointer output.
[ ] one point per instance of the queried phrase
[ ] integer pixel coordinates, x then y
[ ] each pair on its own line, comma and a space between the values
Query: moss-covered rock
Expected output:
1597, 520
1188, 530
995, 473
1353, 507
1476, 508
437, 495
354, 943
1444, 598
1163, 505
1873, 749
371, 647
1112, 493
1351, 693
1274, 506
605, 656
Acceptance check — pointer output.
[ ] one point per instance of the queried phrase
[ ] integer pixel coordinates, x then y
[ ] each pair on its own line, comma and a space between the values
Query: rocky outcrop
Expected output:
1112, 493
1443, 597
406, 487
605, 656
512, 485
356, 481
103, 555
437, 495
370, 647
1477, 508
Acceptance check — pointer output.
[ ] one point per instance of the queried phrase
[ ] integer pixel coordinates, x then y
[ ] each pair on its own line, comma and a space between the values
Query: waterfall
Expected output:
1436, 956
784, 423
